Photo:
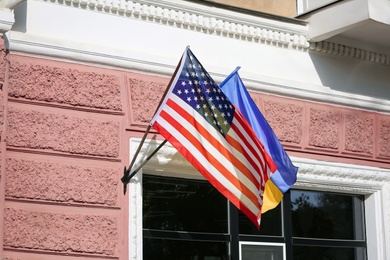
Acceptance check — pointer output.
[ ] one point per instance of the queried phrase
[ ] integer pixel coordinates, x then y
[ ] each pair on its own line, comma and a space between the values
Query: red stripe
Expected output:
209, 157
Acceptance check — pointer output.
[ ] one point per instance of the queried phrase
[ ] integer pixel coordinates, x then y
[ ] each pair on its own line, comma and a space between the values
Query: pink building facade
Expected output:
72, 113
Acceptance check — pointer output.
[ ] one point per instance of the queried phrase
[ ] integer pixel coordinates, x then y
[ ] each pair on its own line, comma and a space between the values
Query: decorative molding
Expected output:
351, 52
253, 29
190, 17
7, 20
208, 21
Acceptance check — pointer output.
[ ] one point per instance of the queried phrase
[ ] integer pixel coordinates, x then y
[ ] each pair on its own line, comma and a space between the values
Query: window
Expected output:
368, 184
189, 219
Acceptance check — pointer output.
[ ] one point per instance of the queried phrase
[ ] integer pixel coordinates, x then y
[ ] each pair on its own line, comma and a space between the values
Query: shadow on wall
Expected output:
354, 76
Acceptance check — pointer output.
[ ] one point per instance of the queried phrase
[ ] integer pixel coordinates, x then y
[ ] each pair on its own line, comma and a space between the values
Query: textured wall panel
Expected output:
59, 232
325, 128
145, 96
59, 182
65, 86
285, 119
63, 133
384, 137
359, 132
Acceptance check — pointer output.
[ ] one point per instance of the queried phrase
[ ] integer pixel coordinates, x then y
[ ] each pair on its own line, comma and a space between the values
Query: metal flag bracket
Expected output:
126, 172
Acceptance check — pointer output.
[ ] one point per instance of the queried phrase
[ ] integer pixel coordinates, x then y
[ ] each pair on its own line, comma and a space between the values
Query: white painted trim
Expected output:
372, 182
135, 212
262, 244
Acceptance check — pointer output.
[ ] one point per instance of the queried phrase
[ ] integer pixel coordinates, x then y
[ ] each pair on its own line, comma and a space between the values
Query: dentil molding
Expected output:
184, 15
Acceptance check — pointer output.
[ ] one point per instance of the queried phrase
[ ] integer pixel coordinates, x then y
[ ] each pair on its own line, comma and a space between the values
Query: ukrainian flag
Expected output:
286, 175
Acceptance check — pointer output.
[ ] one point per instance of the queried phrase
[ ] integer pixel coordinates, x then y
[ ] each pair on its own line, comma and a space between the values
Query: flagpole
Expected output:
231, 75
126, 172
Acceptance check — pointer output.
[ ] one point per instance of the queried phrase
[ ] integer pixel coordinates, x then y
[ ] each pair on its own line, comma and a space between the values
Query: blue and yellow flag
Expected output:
286, 174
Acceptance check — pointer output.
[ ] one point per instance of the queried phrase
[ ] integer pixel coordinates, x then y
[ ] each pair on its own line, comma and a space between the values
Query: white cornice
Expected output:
285, 33
171, 14
7, 19
193, 17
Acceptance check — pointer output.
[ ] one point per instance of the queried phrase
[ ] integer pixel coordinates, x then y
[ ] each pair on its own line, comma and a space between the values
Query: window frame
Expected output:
283, 245
371, 182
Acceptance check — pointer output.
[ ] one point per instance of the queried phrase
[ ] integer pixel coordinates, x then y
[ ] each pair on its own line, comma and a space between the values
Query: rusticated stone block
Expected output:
359, 133
59, 182
145, 97
38, 130
384, 138
64, 86
324, 128
285, 119
60, 232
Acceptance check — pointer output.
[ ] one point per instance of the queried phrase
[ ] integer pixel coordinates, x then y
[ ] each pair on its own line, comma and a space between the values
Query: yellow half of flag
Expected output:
272, 196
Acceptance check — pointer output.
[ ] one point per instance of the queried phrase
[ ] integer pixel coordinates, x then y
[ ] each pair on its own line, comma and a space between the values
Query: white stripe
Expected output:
206, 164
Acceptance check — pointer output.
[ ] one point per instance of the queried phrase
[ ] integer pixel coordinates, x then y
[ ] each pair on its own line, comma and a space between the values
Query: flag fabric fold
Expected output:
198, 119
285, 175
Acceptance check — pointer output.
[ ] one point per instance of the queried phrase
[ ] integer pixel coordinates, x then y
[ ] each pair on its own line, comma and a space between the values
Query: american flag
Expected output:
202, 124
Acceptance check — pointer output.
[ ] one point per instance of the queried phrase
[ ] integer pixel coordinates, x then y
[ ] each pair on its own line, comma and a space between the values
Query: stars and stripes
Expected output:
200, 122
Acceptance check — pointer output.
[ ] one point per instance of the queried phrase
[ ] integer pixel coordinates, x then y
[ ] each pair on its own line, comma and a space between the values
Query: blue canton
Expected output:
199, 90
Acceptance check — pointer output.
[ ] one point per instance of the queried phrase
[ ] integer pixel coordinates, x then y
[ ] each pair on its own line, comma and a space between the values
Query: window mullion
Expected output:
287, 224
234, 232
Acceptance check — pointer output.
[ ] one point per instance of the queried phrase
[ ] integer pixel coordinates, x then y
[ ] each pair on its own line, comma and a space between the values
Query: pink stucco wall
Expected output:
64, 142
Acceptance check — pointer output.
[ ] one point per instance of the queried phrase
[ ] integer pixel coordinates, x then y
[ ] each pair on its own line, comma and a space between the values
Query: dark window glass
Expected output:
326, 215
165, 249
183, 205
328, 253
189, 219
271, 223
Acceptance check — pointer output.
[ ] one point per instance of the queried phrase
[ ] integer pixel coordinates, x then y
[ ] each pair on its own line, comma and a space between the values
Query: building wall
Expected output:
63, 125
278, 7
67, 127
66, 118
